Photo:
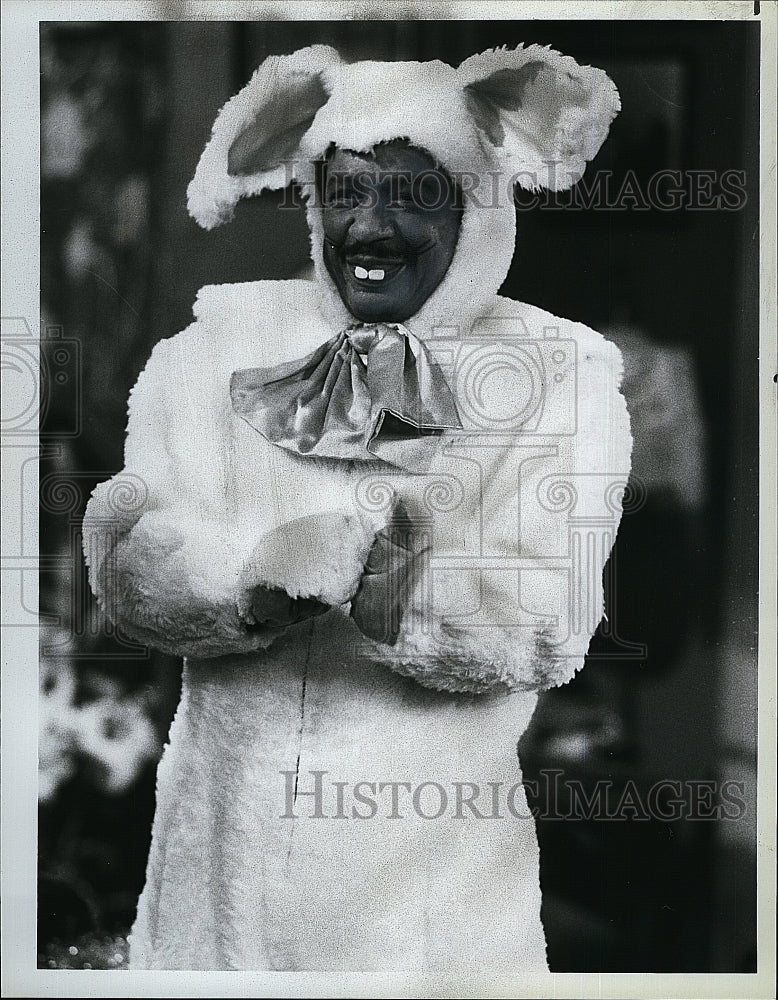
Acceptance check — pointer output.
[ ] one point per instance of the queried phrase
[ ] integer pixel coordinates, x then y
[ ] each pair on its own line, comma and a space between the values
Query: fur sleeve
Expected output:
162, 569
511, 591
168, 564
439, 652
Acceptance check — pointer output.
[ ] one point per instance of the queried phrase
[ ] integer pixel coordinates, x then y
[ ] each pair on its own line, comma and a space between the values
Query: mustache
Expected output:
382, 250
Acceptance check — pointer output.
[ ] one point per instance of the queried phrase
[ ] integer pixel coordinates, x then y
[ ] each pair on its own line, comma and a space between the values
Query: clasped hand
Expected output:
390, 572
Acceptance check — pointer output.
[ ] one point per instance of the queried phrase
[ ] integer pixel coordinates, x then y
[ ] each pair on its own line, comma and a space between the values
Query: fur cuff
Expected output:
164, 587
320, 556
489, 660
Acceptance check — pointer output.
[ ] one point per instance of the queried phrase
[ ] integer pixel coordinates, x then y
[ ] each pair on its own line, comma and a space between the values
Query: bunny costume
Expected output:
328, 801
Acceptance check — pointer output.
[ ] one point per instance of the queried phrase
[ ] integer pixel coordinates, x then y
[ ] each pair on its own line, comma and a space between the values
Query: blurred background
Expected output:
669, 691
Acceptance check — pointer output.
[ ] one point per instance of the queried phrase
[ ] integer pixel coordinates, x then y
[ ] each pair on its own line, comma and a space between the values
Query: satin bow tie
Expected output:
369, 392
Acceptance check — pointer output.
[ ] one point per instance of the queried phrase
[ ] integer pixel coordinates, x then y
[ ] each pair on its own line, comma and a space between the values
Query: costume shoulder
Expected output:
246, 324
236, 326
272, 299
264, 321
536, 323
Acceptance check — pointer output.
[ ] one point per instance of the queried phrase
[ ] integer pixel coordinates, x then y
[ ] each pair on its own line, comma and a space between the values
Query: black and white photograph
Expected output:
389, 480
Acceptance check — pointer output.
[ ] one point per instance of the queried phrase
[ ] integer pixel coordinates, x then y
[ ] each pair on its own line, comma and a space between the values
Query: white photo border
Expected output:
21, 300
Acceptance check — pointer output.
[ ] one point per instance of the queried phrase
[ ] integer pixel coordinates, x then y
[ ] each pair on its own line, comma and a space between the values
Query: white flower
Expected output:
116, 735
80, 251
56, 740
65, 138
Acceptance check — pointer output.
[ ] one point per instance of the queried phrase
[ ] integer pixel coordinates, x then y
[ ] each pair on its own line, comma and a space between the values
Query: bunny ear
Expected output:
276, 132
544, 114
258, 131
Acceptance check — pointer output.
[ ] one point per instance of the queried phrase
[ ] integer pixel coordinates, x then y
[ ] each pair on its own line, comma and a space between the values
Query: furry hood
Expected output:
526, 116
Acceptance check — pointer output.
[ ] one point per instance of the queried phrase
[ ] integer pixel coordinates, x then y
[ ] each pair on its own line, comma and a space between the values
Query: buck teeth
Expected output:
375, 274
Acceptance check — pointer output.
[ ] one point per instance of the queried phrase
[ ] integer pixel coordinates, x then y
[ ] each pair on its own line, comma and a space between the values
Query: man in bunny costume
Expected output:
374, 523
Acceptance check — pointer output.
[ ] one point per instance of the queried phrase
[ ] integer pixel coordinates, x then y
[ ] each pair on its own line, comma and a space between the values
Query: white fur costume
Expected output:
521, 508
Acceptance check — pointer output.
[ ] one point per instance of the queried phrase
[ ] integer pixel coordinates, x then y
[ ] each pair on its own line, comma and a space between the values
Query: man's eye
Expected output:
403, 196
342, 196
423, 195
431, 193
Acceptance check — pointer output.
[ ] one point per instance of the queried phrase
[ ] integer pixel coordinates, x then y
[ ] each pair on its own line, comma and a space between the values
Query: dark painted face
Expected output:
391, 223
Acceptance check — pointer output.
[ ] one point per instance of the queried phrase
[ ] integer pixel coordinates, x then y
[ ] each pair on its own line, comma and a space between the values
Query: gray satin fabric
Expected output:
369, 392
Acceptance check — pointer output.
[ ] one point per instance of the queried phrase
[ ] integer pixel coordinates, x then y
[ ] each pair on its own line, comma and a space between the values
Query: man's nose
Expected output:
371, 224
